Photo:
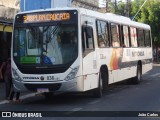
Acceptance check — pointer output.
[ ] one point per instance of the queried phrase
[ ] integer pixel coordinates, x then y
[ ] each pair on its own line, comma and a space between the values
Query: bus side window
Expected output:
147, 38
102, 34
125, 36
115, 35
140, 37
89, 38
133, 35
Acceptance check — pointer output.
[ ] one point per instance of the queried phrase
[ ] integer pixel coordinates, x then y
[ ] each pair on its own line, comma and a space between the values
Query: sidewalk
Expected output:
22, 95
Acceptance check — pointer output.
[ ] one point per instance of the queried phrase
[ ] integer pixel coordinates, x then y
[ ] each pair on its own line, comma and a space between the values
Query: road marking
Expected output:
154, 75
76, 109
21, 97
4, 102
73, 110
27, 96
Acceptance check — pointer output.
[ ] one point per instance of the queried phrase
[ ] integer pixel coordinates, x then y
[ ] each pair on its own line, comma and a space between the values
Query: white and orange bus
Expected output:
77, 50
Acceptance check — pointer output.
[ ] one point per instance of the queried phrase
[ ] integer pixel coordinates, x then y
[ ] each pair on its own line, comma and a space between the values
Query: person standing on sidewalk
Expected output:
8, 82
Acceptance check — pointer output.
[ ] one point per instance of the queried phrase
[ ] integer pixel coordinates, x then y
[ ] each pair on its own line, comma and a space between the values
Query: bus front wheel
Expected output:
97, 92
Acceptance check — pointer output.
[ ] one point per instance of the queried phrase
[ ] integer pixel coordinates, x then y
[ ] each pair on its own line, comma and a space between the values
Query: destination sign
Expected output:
46, 17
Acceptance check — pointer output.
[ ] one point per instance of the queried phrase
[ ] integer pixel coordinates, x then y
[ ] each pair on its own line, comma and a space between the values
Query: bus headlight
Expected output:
72, 74
16, 76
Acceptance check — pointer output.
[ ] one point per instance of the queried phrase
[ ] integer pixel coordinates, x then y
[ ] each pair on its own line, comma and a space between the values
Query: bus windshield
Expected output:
43, 44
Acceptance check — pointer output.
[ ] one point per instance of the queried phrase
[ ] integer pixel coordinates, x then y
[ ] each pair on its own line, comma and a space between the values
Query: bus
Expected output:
5, 41
77, 50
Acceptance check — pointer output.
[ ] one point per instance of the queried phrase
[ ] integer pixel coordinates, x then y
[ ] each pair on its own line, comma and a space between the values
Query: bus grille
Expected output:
42, 70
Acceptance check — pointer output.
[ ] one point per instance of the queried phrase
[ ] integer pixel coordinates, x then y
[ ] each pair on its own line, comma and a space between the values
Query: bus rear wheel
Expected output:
137, 79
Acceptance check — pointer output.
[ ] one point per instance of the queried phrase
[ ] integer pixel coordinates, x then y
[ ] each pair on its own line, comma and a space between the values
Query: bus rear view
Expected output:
45, 51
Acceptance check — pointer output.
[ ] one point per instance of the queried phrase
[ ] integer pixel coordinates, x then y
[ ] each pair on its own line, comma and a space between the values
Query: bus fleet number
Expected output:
50, 77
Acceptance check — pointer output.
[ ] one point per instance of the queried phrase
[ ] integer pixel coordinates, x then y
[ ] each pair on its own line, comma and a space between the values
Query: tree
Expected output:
121, 6
128, 8
114, 6
107, 3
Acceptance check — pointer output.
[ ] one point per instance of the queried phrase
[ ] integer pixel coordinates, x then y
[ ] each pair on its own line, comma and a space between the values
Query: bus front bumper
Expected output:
74, 85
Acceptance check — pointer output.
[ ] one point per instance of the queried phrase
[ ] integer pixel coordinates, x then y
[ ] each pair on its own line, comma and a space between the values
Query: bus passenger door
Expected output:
89, 58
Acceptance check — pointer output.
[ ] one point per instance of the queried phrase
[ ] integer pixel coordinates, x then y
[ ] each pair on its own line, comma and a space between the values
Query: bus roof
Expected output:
103, 16
114, 18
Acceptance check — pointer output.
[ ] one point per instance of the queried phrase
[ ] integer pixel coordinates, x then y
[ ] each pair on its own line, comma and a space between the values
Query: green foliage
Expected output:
121, 6
111, 7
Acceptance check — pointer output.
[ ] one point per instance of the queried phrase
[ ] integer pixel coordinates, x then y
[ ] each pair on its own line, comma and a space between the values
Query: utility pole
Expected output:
128, 8
115, 6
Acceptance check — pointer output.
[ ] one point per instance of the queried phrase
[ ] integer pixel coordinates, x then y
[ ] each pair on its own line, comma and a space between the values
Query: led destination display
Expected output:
46, 17
49, 16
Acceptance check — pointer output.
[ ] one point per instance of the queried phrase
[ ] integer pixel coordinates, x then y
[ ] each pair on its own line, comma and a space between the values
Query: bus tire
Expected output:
137, 79
97, 92
104, 76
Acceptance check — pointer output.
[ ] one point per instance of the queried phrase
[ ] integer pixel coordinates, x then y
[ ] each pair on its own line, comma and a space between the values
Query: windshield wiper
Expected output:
53, 32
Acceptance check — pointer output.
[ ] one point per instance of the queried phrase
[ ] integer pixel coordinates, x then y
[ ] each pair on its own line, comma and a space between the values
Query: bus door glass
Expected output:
87, 40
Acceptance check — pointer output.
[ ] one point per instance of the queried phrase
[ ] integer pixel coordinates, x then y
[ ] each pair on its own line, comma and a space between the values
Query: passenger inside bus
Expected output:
73, 38
101, 42
67, 41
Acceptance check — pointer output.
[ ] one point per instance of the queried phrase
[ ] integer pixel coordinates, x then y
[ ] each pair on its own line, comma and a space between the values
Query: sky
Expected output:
101, 2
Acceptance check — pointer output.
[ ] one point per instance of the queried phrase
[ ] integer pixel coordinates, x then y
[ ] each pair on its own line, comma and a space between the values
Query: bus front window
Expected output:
45, 45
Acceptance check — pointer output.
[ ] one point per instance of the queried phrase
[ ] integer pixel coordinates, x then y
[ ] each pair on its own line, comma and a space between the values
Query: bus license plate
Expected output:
40, 90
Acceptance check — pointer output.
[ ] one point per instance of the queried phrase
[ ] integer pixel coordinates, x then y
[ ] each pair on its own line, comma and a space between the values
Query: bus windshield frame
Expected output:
46, 39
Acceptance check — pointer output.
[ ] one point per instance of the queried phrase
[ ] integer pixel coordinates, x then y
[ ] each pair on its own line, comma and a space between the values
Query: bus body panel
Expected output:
90, 72
90, 61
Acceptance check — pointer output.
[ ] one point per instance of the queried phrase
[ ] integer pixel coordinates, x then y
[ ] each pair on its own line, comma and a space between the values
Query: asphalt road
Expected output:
123, 99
